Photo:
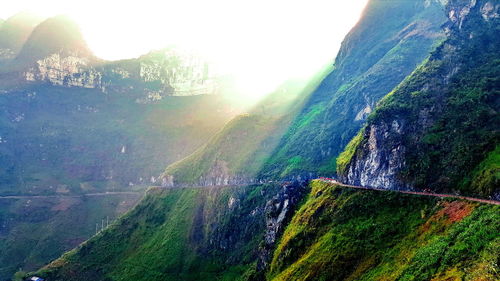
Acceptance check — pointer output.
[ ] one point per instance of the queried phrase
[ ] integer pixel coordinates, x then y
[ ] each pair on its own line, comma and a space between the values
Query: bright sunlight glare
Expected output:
260, 42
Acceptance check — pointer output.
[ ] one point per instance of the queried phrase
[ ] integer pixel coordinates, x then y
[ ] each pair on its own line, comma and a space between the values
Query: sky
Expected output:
260, 42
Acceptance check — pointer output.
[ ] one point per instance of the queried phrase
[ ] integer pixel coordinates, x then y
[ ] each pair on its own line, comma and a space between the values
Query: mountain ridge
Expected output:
418, 136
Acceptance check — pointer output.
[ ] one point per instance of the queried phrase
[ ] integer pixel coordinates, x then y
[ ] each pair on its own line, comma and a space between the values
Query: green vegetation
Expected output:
177, 234
35, 231
346, 234
337, 233
242, 145
486, 176
345, 157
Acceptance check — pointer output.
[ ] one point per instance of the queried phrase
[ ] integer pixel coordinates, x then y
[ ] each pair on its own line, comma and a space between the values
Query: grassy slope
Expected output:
247, 141
345, 234
35, 231
179, 234
337, 234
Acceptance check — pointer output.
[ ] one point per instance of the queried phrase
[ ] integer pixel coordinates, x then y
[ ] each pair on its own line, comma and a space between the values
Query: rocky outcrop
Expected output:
56, 53
381, 161
70, 71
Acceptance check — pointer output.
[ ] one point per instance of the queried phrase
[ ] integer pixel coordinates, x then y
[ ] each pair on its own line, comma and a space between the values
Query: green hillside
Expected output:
187, 234
337, 234
345, 234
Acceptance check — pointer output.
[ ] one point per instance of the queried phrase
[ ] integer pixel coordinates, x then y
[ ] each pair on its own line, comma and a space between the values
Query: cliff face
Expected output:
155, 75
436, 129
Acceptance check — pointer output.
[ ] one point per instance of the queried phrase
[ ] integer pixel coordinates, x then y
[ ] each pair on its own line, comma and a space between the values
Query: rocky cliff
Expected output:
438, 129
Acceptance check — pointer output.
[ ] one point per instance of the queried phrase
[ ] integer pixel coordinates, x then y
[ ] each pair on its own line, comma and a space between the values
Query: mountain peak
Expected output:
58, 34
15, 30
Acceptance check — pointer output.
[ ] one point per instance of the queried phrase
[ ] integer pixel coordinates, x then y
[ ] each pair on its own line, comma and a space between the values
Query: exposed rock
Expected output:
381, 161
278, 211
71, 71
363, 113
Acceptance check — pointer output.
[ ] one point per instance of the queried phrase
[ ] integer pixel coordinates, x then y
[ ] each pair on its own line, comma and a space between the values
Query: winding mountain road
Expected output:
494, 202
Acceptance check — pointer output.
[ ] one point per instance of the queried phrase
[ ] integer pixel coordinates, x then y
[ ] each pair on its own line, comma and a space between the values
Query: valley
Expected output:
383, 165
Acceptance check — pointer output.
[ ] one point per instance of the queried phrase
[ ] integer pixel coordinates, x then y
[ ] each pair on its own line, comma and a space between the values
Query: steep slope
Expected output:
439, 128
345, 234
375, 57
305, 141
14, 32
337, 234
36, 230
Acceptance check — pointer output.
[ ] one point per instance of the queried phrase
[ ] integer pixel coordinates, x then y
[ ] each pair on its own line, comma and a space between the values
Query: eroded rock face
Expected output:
382, 160
71, 71
149, 78
278, 211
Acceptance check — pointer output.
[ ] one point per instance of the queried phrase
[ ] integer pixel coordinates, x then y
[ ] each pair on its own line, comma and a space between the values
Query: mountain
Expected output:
438, 130
317, 230
374, 58
59, 35
72, 122
14, 32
